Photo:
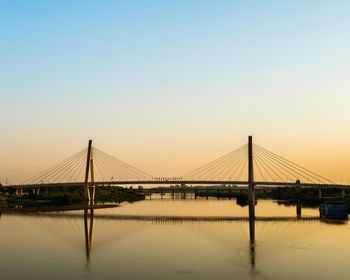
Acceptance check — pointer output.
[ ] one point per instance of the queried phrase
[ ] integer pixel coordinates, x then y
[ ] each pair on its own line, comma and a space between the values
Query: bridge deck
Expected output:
193, 184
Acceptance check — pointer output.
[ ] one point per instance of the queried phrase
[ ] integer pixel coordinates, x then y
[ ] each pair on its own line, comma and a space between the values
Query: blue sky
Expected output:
167, 85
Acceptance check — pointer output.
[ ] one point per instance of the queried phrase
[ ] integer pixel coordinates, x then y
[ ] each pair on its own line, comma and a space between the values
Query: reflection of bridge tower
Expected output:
88, 229
252, 255
90, 187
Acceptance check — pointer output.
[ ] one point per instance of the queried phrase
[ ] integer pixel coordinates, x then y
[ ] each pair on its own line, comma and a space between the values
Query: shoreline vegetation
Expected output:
70, 196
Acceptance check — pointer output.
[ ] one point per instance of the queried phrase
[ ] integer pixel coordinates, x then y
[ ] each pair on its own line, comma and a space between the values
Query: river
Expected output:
174, 239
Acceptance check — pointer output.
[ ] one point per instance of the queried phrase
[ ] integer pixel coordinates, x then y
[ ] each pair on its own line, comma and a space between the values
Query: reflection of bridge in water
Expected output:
90, 217
172, 219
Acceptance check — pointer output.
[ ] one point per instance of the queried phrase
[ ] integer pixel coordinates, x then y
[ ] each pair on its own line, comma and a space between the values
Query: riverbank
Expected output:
71, 196
283, 195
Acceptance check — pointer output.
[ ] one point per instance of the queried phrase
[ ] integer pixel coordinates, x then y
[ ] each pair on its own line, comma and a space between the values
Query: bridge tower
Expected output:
251, 193
251, 190
89, 190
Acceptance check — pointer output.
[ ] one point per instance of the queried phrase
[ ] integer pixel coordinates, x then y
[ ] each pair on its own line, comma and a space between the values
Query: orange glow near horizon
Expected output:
176, 162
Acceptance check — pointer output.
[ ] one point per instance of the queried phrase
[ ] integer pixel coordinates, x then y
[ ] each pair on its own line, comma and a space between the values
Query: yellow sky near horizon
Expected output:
173, 86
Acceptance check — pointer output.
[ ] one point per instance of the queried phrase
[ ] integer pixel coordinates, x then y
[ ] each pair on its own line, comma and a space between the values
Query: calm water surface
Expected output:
54, 246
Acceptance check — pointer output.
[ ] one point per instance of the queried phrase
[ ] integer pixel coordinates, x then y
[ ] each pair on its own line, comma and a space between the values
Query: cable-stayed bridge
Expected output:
250, 165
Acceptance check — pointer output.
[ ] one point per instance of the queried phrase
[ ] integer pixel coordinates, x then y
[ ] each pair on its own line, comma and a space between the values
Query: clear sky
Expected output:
169, 85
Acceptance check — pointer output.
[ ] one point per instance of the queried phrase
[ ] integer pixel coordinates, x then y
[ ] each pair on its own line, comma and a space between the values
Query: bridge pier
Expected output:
298, 208
342, 193
19, 192
218, 194
195, 194
320, 193
206, 194
36, 191
91, 195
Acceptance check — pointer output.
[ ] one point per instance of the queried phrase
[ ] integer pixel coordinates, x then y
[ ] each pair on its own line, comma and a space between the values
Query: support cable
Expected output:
131, 169
293, 172
37, 178
277, 166
298, 166
58, 175
70, 175
222, 166
263, 166
232, 168
228, 167
258, 167
273, 171
109, 175
121, 171
199, 171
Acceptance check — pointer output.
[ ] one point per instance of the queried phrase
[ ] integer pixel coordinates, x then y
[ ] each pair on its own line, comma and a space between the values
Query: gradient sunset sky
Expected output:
170, 85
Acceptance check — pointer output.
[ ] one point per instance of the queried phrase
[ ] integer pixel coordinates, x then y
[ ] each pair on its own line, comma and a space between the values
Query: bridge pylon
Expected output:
251, 190
89, 190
